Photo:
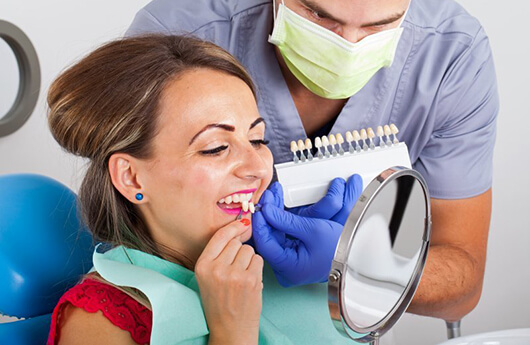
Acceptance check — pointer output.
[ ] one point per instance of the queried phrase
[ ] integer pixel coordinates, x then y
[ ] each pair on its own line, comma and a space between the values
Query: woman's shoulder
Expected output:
101, 313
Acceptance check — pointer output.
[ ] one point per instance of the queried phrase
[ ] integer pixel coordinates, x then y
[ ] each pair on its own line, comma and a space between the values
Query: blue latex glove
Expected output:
338, 202
299, 249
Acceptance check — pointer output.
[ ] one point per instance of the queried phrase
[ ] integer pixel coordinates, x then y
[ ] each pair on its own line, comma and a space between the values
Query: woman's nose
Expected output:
252, 163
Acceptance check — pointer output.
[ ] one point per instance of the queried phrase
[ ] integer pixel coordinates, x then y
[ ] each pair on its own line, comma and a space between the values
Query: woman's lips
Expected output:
231, 210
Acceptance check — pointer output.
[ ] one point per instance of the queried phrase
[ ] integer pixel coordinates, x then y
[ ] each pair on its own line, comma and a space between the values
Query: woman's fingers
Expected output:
256, 265
244, 257
228, 255
221, 238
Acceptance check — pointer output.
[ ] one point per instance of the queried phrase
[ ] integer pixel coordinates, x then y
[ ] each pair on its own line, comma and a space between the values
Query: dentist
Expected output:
330, 66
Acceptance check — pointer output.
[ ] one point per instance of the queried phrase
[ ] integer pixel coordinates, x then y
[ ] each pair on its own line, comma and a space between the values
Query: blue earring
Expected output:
139, 196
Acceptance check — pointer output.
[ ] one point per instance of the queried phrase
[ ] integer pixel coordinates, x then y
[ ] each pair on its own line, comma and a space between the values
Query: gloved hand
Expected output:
338, 202
299, 249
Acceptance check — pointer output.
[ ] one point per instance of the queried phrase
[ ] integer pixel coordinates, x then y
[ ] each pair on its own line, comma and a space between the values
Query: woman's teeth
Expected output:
243, 198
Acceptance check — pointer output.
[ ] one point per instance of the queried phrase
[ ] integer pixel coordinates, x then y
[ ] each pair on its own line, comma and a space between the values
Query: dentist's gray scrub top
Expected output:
440, 91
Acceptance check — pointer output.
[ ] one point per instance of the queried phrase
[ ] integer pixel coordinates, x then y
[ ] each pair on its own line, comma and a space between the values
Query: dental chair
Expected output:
44, 250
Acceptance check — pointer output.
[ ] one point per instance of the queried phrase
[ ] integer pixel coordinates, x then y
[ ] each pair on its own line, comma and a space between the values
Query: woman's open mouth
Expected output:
233, 203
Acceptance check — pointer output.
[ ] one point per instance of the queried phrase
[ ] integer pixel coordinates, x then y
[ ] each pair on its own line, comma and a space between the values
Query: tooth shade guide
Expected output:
325, 144
294, 148
307, 183
301, 147
371, 136
349, 139
308, 147
318, 145
380, 134
388, 132
325, 141
333, 142
394, 131
364, 139
356, 136
340, 141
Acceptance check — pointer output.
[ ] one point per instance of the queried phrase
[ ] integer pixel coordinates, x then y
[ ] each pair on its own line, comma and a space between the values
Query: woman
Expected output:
177, 152
171, 128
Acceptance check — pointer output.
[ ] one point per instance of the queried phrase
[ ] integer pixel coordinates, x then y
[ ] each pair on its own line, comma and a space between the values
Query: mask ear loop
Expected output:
274, 9
405, 14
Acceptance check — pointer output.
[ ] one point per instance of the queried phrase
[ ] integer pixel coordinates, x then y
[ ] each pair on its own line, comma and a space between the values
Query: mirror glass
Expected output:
380, 255
9, 80
384, 251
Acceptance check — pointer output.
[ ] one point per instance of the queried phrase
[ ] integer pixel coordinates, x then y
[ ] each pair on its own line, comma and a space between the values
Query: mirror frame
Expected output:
336, 282
29, 76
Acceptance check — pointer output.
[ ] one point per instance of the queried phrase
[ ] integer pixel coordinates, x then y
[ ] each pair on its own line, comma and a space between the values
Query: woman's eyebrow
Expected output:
228, 128
257, 122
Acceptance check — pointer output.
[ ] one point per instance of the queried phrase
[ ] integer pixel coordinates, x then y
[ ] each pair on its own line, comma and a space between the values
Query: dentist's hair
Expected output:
109, 102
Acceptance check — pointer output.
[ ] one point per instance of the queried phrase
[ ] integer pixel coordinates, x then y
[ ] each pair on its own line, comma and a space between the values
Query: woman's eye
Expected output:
259, 142
214, 152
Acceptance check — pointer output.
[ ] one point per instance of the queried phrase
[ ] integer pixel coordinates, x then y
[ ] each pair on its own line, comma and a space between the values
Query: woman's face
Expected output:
209, 146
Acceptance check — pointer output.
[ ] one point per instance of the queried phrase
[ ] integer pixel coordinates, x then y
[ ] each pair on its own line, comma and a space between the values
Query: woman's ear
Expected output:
124, 175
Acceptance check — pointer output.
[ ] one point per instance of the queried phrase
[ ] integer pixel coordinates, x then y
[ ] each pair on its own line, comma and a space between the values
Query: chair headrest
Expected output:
44, 246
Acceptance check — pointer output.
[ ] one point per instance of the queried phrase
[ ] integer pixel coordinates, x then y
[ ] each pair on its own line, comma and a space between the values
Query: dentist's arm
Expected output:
451, 284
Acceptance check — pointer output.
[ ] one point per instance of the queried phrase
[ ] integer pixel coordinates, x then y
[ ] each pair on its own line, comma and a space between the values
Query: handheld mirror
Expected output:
380, 255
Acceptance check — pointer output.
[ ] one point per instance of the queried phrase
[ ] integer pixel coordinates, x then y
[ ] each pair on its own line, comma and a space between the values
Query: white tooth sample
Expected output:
244, 205
221, 201
301, 147
394, 131
300, 144
251, 207
308, 147
294, 148
387, 130
371, 136
228, 200
249, 196
356, 138
349, 139
235, 198
318, 145
333, 142
380, 134
325, 144
364, 136
340, 141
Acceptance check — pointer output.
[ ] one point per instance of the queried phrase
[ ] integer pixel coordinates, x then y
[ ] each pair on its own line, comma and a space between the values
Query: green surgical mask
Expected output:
326, 63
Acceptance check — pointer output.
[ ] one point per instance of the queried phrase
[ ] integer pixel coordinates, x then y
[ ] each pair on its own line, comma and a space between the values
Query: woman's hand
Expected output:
229, 274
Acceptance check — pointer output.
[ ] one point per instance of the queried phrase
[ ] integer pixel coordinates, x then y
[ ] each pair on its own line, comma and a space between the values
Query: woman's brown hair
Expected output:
109, 102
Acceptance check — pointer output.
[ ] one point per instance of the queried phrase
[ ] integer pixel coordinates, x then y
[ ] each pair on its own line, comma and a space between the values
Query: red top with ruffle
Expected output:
121, 309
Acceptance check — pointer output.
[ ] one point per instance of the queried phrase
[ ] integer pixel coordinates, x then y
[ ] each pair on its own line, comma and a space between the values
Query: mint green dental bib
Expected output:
296, 315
